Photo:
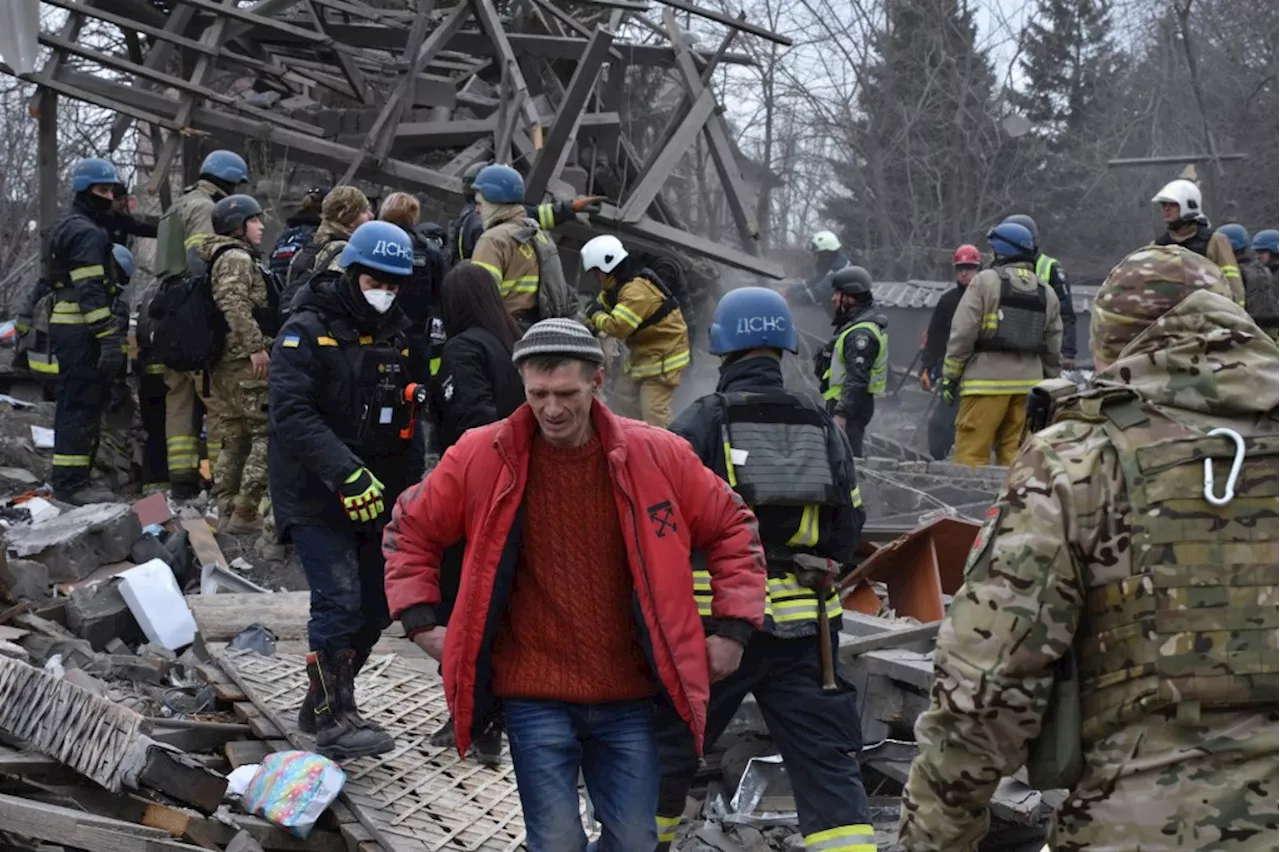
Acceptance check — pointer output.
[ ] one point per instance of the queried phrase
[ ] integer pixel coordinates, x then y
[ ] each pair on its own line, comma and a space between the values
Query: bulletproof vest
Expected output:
60, 268
1194, 625
1020, 318
381, 372
1198, 242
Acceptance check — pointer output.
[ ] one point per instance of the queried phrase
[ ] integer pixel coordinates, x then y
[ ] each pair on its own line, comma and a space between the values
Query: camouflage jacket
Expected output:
1055, 528
239, 290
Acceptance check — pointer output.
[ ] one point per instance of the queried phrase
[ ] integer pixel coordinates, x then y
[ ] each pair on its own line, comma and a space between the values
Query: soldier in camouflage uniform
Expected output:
344, 209
1106, 549
238, 381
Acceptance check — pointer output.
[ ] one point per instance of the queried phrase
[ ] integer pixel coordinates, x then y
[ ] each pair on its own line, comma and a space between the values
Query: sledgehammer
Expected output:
817, 573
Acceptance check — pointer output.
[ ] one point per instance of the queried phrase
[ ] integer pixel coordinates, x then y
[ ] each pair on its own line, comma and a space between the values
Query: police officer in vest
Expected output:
1050, 271
344, 443
854, 366
84, 331
784, 455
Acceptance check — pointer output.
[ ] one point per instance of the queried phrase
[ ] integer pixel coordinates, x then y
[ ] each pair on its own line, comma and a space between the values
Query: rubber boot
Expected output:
357, 664
243, 522
488, 747
443, 738
88, 494
341, 734
185, 489
313, 698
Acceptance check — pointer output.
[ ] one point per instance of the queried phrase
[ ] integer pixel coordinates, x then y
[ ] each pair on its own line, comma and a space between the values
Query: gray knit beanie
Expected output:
566, 337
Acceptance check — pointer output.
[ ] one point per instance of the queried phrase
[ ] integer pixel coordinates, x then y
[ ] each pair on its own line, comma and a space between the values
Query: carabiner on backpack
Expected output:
1229, 493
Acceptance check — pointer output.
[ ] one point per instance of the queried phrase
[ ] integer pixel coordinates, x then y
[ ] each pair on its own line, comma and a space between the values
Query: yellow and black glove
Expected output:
361, 495
949, 389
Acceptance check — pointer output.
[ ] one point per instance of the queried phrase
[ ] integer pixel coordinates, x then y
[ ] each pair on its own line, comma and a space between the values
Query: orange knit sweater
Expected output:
569, 631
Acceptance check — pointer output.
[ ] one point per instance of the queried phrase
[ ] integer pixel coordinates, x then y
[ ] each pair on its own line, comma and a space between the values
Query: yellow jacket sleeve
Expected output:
637, 301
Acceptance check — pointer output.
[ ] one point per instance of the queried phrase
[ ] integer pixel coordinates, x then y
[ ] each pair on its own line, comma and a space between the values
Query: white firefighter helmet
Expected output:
1185, 194
824, 241
603, 253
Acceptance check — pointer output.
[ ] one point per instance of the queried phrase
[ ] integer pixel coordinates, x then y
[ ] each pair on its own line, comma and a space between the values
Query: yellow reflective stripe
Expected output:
82, 272
1229, 270
194, 240
326, 341
844, 838
702, 592
625, 314
546, 217
105, 333
154, 369
66, 307
523, 284
728, 464
667, 365
807, 534
97, 315
493, 270
67, 319
435, 366
790, 602
667, 828
856, 496
991, 387
181, 441
63, 460
990, 322
39, 362
366, 339
952, 368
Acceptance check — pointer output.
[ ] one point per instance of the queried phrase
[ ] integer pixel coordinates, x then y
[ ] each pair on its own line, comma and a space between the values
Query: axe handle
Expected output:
824, 648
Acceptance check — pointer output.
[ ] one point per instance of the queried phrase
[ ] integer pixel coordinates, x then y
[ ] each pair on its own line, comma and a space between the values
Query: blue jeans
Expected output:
615, 747
345, 570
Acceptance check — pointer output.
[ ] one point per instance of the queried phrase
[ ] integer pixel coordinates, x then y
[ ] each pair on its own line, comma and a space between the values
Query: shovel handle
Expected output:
824, 648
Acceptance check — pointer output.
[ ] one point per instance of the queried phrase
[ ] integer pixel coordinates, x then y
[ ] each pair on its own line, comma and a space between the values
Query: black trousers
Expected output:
82, 394
942, 428
155, 457
818, 733
855, 426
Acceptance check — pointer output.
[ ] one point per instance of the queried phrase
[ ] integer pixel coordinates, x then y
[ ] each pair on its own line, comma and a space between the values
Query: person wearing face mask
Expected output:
84, 332
853, 368
343, 444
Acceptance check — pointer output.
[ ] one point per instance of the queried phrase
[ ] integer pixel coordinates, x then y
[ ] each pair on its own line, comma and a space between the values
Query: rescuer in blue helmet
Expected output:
1260, 293
785, 455
344, 442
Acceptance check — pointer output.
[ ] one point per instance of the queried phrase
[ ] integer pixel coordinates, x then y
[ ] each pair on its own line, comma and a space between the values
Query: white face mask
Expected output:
380, 299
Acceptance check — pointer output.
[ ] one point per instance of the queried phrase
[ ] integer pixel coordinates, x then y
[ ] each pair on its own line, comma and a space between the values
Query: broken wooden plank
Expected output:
75, 828
245, 752
261, 725
850, 648
189, 824
205, 545
220, 617
194, 736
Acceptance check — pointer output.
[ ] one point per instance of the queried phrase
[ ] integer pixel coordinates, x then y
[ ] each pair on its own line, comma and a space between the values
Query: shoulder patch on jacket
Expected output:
290, 341
326, 341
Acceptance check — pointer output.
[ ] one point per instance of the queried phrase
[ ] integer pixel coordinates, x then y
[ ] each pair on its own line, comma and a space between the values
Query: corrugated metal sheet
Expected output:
925, 294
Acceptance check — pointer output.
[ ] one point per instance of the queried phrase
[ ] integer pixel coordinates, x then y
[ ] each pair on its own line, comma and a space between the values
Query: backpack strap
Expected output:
669, 302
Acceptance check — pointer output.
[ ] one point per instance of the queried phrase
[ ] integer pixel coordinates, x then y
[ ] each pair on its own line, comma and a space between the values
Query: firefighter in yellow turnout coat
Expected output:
1006, 337
637, 307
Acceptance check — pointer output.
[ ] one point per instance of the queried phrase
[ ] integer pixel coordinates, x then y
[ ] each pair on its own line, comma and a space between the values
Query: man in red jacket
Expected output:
575, 611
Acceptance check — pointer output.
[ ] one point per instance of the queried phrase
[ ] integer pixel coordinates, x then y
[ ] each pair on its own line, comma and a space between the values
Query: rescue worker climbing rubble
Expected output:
1135, 542
1260, 295
854, 367
1006, 338
1183, 210
466, 229
183, 229
635, 306
828, 259
344, 443
84, 332
1049, 270
786, 458
237, 398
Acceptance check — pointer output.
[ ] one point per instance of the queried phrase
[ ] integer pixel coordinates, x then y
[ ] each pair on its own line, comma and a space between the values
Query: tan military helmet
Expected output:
1142, 288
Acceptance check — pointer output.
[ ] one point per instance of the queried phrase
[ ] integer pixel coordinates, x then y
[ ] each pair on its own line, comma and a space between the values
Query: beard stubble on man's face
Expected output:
561, 400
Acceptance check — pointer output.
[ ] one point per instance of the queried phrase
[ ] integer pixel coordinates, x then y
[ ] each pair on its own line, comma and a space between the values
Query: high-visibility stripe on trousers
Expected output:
846, 838
667, 827
182, 453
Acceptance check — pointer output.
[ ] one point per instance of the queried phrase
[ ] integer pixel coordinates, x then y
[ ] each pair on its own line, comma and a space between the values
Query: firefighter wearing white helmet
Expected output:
828, 259
1183, 211
636, 306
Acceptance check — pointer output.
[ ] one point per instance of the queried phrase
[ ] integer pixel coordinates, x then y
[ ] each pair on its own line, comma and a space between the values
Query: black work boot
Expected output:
488, 748
313, 699
443, 738
361, 656
341, 732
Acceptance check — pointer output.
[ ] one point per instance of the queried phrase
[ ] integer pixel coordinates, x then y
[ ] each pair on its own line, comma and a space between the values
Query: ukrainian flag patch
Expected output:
290, 341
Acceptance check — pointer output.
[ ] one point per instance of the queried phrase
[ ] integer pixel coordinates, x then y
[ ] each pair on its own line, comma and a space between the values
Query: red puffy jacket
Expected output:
475, 493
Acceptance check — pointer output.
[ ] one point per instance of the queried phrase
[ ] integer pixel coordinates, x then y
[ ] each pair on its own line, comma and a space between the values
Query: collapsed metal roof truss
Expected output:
542, 88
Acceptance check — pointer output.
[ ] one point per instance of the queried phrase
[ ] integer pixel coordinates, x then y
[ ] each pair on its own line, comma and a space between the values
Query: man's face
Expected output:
1172, 211
253, 229
561, 399
964, 274
842, 302
104, 190
602, 278
366, 216
1265, 257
